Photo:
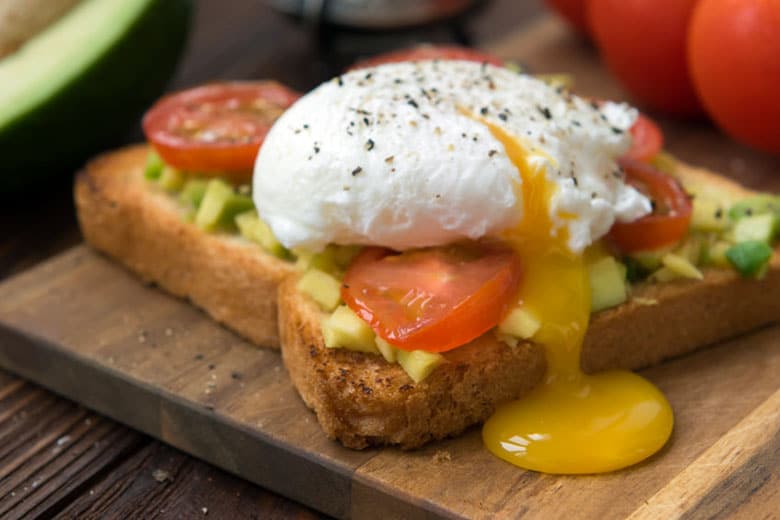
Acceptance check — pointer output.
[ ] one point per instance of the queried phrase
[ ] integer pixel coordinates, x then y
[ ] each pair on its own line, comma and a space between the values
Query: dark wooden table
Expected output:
58, 459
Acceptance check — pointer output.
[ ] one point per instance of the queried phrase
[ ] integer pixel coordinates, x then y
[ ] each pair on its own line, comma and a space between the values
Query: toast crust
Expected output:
134, 222
362, 401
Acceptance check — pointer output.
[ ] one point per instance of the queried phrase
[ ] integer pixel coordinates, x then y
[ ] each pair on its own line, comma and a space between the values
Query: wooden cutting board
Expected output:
87, 329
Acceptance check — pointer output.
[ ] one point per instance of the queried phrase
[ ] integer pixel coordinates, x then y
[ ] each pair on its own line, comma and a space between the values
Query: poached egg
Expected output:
423, 154
400, 156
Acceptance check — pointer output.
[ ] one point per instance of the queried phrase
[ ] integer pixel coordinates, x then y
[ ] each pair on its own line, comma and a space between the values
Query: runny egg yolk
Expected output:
573, 422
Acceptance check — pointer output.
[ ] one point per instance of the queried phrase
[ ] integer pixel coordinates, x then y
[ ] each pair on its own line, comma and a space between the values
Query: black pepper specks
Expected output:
370, 145
483, 111
491, 153
545, 112
357, 171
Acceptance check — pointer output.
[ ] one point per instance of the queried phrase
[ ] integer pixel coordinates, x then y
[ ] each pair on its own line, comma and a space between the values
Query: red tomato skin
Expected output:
464, 322
233, 160
653, 231
734, 56
574, 12
644, 44
648, 140
429, 52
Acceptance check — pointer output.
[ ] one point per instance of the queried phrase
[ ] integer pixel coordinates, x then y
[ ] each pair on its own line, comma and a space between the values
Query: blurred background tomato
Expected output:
734, 58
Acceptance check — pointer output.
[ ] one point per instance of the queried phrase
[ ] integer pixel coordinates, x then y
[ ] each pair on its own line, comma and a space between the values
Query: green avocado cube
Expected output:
755, 205
345, 329
171, 179
193, 192
608, 286
418, 364
758, 227
750, 258
322, 287
252, 228
154, 166
386, 349
220, 205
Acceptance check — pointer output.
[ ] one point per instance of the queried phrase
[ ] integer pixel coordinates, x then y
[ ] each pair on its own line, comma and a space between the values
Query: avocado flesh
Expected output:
75, 86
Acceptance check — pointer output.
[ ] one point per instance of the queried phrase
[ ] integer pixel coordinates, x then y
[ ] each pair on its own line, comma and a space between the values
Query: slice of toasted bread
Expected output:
361, 400
128, 218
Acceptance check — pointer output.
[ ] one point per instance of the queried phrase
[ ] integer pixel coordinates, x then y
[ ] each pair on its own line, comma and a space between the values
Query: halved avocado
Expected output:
80, 83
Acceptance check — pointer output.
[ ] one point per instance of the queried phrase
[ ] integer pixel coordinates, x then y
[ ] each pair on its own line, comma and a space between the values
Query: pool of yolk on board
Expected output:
572, 422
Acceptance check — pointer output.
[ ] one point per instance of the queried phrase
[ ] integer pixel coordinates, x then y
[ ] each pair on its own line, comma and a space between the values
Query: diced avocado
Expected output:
171, 179
520, 323
648, 260
192, 193
220, 205
758, 227
82, 82
418, 364
608, 286
333, 259
322, 287
386, 349
681, 266
154, 166
664, 274
252, 228
750, 258
708, 215
692, 249
755, 205
716, 254
344, 329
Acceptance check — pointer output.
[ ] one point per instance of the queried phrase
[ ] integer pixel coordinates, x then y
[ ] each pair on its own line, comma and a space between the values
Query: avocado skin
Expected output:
96, 108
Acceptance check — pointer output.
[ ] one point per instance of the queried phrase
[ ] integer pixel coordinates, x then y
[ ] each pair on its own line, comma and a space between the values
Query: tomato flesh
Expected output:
430, 52
433, 299
671, 216
216, 128
647, 140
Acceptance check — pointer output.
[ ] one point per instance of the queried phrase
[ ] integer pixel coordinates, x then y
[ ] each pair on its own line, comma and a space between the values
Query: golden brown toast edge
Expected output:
124, 216
361, 400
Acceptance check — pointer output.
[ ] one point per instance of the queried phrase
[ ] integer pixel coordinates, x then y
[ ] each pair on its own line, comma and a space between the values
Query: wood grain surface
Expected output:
87, 329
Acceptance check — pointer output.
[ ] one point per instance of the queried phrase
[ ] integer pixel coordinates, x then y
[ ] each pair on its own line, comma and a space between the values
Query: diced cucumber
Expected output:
681, 266
758, 227
322, 287
333, 259
252, 228
220, 205
344, 329
755, 205
418, 364
750, 258
520, 323
154, 166
171, 179
192, 193
608, 286
386, 349
708, 215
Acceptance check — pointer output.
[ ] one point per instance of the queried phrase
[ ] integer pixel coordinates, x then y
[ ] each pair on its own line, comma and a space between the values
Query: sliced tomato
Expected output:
671, 216
216, 128
648, 139
432, 299
430, 52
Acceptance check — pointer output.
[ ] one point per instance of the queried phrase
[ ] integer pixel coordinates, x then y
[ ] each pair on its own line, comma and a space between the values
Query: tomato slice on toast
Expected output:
432, 299
218, 128
671, 216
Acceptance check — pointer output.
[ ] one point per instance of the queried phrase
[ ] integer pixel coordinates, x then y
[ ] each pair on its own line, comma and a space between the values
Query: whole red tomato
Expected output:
734, 56
644, 44
574, 11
